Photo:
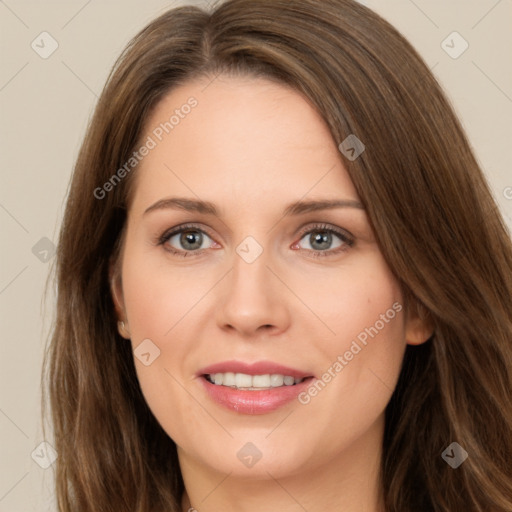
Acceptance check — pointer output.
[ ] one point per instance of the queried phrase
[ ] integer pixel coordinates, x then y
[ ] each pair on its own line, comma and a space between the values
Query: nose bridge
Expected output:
253, 297
250, 272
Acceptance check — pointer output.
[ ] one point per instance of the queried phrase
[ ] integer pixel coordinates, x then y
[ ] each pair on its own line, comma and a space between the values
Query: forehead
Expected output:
238, 138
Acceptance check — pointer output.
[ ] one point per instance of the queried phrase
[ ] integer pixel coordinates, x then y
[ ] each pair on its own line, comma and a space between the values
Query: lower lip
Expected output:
254, 402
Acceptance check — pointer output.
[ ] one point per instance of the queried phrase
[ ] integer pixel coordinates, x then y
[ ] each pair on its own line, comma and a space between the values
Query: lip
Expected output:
253, 402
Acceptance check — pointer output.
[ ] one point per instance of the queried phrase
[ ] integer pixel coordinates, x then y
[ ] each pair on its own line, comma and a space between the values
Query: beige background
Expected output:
45, 106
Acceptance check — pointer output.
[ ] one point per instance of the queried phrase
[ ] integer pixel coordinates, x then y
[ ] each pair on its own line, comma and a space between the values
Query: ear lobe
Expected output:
418, 327
417, 332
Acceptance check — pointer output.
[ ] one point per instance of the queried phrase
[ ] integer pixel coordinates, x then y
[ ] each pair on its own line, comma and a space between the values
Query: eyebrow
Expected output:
208, 208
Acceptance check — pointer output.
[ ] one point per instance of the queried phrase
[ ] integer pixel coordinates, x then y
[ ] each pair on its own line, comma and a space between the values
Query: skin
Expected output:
252, 147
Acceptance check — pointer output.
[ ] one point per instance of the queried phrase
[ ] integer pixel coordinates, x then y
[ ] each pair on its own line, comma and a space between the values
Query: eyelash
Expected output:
346, 238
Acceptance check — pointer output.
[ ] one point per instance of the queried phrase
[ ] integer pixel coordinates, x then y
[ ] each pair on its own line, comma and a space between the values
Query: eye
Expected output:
324, 240
185, 240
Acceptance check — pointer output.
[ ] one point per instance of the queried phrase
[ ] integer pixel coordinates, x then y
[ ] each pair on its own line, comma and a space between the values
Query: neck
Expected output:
348, 481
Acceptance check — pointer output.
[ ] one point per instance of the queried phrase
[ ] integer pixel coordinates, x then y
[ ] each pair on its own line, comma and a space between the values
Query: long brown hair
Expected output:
431, 210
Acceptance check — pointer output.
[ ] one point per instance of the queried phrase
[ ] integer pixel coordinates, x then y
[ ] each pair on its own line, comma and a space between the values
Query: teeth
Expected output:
244, 381
276, 380
260, 381
227, 379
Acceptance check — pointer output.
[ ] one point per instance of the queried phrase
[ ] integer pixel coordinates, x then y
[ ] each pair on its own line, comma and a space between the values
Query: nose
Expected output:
253, 301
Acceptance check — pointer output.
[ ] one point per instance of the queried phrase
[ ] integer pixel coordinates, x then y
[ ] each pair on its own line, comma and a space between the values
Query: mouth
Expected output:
253, 388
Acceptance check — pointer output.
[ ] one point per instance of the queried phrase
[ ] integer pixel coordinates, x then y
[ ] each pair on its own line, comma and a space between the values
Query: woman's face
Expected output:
222, 276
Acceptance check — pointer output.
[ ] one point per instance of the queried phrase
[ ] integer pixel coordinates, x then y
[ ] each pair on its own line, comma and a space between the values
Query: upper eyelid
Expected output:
325, 226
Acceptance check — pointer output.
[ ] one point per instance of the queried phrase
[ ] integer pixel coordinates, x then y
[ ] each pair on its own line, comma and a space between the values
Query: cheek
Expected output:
363, 352
157, 298
374, 333
360, 301
160, 306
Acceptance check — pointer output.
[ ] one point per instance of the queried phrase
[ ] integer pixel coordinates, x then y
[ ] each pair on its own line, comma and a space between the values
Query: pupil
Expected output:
323, 237
193, 238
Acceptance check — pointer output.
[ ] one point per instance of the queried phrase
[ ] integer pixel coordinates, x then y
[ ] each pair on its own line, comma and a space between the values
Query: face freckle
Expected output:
251, 148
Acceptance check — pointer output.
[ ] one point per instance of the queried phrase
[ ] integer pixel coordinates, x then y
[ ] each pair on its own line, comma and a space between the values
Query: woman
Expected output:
283, 283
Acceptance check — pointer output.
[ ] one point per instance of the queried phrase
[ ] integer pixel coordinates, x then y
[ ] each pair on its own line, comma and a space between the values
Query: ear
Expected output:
418, 325
116, 290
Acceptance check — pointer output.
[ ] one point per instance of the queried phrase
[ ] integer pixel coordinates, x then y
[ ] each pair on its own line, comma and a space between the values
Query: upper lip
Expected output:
256, 368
